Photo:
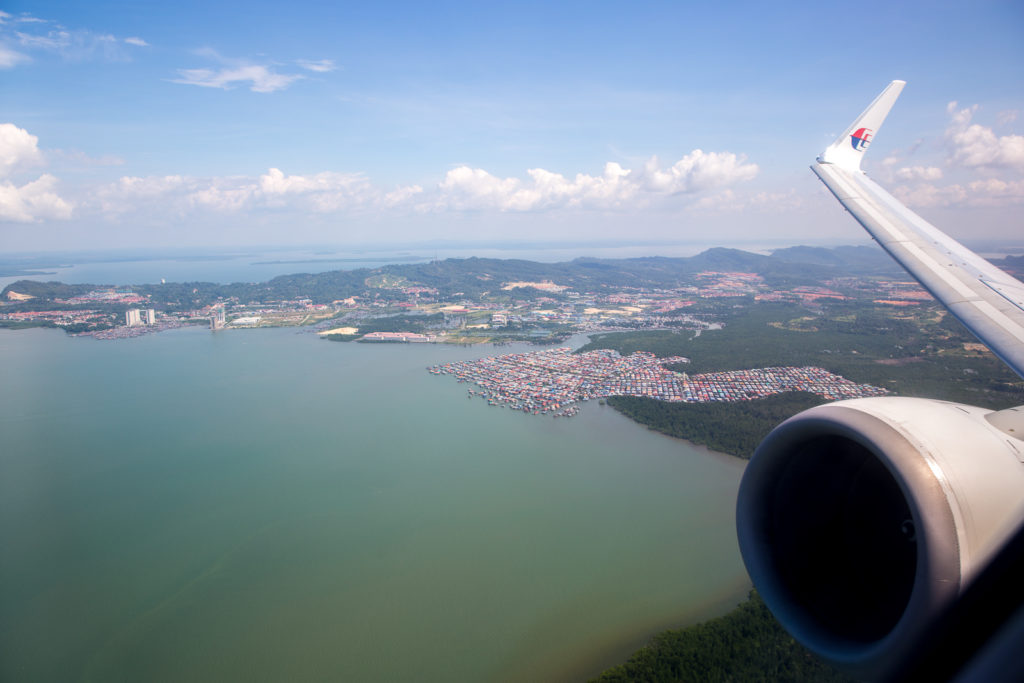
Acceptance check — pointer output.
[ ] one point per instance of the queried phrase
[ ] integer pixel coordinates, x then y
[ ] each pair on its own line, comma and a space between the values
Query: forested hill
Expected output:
473, 277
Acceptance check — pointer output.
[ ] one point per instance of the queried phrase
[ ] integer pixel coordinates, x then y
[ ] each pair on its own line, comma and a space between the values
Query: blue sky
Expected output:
226, 124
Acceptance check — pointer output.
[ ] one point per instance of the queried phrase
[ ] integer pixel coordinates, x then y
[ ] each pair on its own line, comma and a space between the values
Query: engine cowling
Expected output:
859, 521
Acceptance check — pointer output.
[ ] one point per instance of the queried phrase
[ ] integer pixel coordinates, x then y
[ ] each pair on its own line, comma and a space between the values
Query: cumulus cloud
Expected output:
462, 189
258, 77
473, 188
222, 195
18, 147
322, 192
465, 188
319, 193
919, 173
697, 171
402, 195
972, 150
131, 192
33, 201
976, 146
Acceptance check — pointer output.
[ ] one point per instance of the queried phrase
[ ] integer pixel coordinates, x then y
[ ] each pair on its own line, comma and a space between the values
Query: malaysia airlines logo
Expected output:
861, 138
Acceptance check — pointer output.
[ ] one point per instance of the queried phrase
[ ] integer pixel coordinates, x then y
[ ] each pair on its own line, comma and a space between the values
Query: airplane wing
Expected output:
988, 301
885, 533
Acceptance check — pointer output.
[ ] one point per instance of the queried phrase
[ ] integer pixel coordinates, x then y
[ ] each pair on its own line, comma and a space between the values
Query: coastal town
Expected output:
555, 381
486, 304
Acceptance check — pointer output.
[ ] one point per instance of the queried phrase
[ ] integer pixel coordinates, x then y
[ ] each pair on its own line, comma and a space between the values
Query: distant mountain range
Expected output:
472, 277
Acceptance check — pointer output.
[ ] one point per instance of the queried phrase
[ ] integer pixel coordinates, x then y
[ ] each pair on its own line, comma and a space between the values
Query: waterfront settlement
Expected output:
555, 381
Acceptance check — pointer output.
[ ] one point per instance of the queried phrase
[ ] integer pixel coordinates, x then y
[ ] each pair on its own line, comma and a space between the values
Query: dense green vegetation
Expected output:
400, 323
747, 644
733, 428
920, 356
46, 290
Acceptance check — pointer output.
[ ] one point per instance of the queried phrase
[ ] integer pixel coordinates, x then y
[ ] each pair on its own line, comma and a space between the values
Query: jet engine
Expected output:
860, 521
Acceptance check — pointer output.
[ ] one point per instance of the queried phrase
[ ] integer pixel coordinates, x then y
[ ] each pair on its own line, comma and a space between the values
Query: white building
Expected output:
131, 317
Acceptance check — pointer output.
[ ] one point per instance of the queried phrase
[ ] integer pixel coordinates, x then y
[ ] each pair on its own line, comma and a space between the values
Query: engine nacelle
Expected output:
859, 521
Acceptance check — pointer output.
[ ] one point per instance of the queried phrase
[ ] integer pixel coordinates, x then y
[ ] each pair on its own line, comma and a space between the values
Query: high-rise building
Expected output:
217, 320
131, 317
149, 316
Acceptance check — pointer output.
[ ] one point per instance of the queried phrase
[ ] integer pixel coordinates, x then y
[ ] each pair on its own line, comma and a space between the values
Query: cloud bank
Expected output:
462, 189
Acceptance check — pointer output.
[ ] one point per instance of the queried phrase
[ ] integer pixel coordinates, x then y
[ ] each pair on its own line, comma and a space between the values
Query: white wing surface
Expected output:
986, 299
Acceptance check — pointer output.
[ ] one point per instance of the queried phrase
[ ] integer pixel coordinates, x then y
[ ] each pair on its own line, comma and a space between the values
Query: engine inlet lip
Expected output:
937, 572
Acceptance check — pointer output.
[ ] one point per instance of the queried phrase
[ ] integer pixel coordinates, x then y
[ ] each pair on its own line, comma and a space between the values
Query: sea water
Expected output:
265, 505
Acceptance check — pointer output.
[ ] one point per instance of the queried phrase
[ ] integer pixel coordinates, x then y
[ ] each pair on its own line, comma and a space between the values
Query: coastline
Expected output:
615, 651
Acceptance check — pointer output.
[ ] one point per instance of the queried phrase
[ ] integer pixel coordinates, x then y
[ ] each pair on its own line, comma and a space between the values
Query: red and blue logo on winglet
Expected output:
861, 138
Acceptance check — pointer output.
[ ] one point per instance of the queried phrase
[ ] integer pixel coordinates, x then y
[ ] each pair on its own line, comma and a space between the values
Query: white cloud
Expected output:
466, 188
402, 195
323, 192
54, 40
6, 18
995, 192
148, 187
18, 147
73, 45
320, 193
10, 58
972, 150
976, 146
222, 195
35, 200
462, 189
319, 66
919, 173
32, 201
138, 42
697, 171
276, 182
259, 78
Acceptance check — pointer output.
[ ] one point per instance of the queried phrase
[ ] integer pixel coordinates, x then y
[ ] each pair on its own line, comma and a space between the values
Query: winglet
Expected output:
847, 150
